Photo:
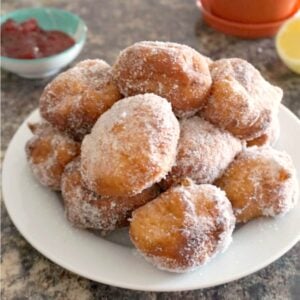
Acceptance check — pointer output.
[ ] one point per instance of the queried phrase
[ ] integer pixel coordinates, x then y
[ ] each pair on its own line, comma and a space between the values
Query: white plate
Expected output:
39, 216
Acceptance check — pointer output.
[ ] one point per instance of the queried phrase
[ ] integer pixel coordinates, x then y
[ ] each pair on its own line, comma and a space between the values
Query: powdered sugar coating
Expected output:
75, 99
131, 147
260, 182
48, 152
270, 137
86, 209
241, 100
204, 152
176, 72
184, 227
208, 60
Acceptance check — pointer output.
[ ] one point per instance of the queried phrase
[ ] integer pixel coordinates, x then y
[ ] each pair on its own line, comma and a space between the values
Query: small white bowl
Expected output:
48, 19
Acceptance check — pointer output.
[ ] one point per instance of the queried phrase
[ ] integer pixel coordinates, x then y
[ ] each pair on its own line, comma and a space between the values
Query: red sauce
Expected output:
28, 41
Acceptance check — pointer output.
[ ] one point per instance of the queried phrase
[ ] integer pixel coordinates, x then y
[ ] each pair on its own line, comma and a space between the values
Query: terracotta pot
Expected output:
253, 11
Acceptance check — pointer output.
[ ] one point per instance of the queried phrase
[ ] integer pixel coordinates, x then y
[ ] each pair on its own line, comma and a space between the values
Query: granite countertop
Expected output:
113, 25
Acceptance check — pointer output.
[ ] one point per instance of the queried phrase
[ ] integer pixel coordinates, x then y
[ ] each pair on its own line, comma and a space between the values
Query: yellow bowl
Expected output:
288, 43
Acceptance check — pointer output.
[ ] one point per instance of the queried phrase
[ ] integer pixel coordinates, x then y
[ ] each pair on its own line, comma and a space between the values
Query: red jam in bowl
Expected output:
28, 41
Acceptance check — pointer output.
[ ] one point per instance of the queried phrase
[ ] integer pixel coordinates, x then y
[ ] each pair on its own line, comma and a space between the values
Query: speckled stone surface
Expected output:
113, 25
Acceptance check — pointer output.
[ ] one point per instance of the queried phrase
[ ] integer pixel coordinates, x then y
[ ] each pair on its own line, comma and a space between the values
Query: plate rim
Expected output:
149, 288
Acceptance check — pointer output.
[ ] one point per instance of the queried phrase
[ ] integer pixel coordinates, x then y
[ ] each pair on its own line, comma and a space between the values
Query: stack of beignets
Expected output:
166, 141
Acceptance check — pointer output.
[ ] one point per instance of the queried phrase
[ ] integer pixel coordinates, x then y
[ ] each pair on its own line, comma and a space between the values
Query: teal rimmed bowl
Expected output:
48, 19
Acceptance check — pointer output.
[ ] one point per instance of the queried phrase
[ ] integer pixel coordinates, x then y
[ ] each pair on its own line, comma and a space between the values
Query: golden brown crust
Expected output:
204, 152
259, 141
48, 152
176, 72
259, 182
75, 99
241, 101
183, 227
131, 147
269, 137
86, 209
